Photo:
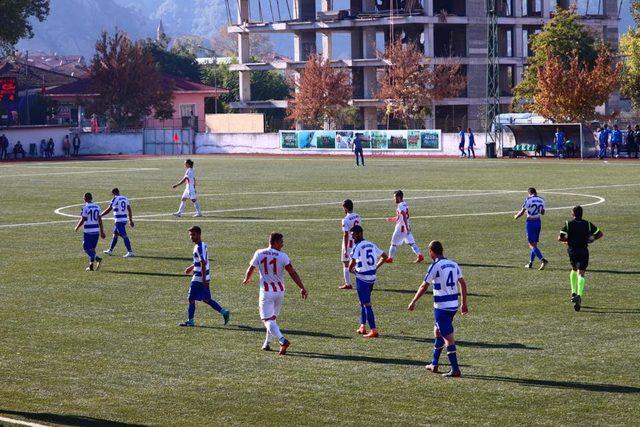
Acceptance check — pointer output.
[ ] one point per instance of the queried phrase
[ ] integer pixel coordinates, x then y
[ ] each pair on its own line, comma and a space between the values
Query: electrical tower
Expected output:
492, 106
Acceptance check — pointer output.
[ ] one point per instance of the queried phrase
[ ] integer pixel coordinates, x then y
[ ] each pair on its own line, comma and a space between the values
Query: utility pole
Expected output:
493, 131
26, 79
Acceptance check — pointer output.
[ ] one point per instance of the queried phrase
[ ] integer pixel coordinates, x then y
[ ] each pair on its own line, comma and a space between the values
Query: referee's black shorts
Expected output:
579, 258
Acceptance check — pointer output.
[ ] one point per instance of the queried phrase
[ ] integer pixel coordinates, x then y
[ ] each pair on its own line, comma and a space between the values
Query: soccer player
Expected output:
577, 234
445, 275
366, 258
559, 140
93, 228
350, 219
472, 143
189, 192
603, 141
357, 149
616, 141
271, 263
121, 210
199, 289
461, 145
534, 207
402, 233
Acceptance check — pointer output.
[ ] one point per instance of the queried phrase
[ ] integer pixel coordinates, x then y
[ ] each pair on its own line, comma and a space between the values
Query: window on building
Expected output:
448, 117
531, 7
450, 7
450, 40
505, 41
507, 80
187, 110
505, 7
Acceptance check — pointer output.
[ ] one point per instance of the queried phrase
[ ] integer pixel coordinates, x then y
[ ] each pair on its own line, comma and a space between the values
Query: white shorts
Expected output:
270, 303
399, 238
189, 193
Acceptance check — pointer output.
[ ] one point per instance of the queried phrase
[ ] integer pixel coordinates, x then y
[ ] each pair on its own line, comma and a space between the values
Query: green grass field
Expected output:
81, 348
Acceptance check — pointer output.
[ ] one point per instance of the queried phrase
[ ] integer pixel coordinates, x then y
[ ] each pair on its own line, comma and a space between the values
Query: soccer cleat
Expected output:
88, 269
543, 264
108, 252
128, 255
177, 214
574, 297
362, 330
197, 215
189, 322
98, 262
283, 347
419, 259
345, 286
266, 347
528, 265
577, 303
389, 260
452, 374
433, 368
226, 315
372, 334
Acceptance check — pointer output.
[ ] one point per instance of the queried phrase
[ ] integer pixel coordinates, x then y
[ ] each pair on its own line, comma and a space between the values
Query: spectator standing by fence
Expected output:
461, 143
616, 141
603, 141
357, 149
43, 148
472, 143
559, 140
51, 147
4, 147
66, 146
18, 149
76, 144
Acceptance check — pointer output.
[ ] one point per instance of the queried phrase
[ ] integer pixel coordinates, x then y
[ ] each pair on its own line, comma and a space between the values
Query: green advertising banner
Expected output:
427, 139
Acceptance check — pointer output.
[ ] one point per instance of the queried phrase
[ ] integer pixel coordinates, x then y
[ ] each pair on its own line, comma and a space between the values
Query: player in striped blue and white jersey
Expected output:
534, 207
93, 229
445, 275
121, 212
201, 276
366, 258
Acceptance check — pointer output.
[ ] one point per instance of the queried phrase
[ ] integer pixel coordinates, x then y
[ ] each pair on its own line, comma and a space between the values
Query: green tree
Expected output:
630, 50
564, 36
15, 16
127, 79
177, 62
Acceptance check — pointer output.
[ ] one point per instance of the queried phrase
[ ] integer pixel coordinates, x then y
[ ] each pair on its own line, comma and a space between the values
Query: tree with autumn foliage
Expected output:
630, 50
409, 84
571, 93
321, 95
128, 82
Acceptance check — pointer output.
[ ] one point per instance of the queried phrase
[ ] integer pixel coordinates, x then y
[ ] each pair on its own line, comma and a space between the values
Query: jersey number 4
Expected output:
450, 283
274, 265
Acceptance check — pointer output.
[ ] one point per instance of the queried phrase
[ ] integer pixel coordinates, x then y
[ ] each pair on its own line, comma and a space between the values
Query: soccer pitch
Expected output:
85, 348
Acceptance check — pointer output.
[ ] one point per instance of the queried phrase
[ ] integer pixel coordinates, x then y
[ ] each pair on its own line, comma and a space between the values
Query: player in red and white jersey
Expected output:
271, 263
189, 193
402, 233
348, 222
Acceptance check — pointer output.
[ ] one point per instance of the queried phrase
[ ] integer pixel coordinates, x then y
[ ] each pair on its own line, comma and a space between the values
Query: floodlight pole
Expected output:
493, 134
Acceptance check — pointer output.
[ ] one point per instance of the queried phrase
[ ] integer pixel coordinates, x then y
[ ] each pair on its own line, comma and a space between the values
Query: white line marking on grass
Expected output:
29, 224
20, 422
80, 172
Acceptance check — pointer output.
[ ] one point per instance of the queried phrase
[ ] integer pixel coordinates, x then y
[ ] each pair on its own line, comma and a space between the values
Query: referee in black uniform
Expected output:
577, 234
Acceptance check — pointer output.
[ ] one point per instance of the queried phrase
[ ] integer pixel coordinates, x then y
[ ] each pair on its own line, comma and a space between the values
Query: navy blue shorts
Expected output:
364, 291
120, 228
90, 241
443, 319
533, 226
198, 292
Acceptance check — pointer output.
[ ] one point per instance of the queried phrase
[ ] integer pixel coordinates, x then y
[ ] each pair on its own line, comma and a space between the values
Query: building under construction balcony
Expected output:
441, 28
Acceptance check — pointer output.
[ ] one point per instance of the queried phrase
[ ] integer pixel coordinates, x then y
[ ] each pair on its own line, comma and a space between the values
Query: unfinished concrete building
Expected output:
359, 29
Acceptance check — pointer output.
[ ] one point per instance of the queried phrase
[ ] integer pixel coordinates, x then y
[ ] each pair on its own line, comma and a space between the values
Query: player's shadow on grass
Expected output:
602, 388
171, 258
468, 264
353, 358
149, 273
608, 310
261, 330
67, 420
591, 270
479, 344
412, 292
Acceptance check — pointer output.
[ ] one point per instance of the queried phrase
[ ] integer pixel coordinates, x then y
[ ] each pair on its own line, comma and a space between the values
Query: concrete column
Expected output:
428, 7
429, 50
326, 45
370, 82
369, 42
370, 118
243, 11
245, 85
517, 8
519, 72
304, 44
243, 48
518, 50
546, 8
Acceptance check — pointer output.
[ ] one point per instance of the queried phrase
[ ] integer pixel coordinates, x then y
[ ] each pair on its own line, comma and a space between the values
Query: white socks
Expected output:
416, 249
392, 251
347, 275
273, 329
182, 206
197, 205
266, 340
